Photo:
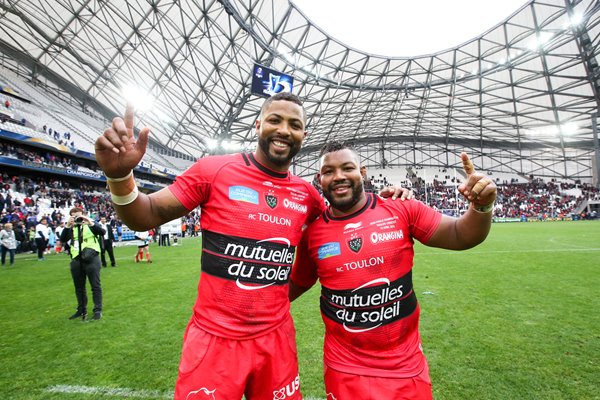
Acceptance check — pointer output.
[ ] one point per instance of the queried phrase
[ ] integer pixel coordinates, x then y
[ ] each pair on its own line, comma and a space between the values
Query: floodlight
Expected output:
141, 99
544, 131
541, 39
575, 19
515, 53
212, 143
551, 130
569, 128
230, 145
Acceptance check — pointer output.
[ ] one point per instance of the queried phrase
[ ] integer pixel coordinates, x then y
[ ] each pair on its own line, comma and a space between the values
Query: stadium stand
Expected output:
38, 141
518, 197
48, 166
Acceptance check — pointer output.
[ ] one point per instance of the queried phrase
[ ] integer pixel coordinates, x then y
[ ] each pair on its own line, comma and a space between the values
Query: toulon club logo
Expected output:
355, 243
271, 200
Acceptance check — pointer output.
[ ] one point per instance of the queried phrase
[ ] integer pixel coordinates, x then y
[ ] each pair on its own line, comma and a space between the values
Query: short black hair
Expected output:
335, 145
76, 210
285, 96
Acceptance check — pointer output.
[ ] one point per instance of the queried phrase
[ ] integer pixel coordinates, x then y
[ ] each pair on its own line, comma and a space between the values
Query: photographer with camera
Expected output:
85, 236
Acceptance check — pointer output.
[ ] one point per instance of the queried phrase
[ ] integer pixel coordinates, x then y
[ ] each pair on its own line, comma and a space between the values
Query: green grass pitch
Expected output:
518, 317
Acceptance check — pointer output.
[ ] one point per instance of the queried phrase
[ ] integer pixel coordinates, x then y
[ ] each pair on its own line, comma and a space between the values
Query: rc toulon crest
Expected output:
271, 200
355, 244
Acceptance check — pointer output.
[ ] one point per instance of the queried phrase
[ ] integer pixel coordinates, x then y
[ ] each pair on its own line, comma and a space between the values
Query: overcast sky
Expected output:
406, 28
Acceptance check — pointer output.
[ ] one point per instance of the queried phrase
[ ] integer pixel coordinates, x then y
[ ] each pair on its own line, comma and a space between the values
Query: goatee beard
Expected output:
345, 205
280, 161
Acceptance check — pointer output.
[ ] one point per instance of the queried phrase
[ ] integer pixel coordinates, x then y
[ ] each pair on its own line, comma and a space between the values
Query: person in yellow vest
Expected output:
84, 234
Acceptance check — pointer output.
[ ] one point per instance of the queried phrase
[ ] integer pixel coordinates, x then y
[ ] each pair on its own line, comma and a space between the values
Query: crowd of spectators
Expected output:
25, 200
533, 200
57, 159
38, 156
541, 200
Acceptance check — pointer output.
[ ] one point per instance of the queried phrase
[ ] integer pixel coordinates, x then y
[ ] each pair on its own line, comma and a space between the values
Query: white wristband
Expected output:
129, 175
484, 209
127, 199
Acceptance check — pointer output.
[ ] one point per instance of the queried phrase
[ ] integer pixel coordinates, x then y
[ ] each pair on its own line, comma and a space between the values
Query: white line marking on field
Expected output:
123, 392
557, 242
467, 252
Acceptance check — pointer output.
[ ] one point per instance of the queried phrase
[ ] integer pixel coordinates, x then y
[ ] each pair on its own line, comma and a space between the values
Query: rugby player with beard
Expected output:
240, 340
361, 251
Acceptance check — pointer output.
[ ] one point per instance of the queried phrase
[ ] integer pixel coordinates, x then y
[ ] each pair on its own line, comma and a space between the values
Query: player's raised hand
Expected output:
477, 188
117, 150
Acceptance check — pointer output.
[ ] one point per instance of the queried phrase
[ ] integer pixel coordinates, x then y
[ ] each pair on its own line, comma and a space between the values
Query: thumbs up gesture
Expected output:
477, 188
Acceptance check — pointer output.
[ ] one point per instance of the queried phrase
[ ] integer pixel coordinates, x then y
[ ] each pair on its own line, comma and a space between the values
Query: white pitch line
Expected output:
468, 252
123, 392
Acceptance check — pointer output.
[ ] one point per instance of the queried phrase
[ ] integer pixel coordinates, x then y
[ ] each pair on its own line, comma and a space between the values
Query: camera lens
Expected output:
78, 220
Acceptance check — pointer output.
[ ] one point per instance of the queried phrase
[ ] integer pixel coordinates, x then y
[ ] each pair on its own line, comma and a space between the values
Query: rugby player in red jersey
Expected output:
361, 251
241, 338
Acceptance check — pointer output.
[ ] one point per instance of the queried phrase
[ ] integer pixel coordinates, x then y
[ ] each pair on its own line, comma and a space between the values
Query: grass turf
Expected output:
515, 318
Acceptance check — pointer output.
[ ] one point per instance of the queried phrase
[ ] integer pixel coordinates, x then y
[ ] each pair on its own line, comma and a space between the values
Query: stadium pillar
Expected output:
596, 159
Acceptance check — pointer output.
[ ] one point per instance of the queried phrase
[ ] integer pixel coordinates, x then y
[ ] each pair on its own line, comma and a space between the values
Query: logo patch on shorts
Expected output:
201, 394
287, 391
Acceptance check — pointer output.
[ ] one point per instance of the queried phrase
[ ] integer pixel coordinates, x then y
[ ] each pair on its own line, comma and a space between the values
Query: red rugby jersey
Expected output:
364, 263
252, 220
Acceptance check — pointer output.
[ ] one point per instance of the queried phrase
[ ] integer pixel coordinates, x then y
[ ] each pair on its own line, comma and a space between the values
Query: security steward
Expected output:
85, 236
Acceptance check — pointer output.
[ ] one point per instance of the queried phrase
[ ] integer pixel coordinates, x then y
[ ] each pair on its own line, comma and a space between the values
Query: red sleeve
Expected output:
192, 188
423, 220
304, 271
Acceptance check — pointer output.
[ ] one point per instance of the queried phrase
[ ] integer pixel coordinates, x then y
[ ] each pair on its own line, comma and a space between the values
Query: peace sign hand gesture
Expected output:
477, 188
117, 150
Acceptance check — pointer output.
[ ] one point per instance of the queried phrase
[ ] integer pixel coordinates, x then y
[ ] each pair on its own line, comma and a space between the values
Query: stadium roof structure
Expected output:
522, 97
